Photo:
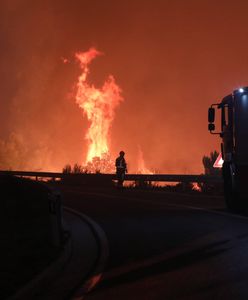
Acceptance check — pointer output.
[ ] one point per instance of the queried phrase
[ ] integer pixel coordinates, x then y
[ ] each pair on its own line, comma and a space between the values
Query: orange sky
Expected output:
172, 59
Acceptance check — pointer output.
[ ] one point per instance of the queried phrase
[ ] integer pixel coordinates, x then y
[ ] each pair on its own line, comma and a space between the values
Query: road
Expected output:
166, 245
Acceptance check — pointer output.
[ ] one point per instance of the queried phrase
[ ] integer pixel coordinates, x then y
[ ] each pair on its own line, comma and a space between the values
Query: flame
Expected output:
196, 187
98, 104
141, 163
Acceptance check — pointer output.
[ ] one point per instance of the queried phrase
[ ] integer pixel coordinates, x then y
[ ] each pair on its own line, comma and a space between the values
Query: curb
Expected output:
93, 277
43, 278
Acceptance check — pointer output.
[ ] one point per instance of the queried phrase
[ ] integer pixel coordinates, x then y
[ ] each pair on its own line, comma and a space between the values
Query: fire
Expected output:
98, 104
196, 187
141, 164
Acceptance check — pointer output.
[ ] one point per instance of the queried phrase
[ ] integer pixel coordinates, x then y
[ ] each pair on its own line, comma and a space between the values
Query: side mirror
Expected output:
211, 115
211, 127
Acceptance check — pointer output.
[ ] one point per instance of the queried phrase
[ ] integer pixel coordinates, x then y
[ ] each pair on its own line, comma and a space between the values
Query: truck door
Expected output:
241, 128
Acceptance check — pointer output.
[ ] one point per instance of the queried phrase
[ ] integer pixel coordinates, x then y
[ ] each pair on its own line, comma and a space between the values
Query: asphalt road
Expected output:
166, 245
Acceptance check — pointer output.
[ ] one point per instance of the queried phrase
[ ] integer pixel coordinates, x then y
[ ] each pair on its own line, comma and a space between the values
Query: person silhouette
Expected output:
121, 168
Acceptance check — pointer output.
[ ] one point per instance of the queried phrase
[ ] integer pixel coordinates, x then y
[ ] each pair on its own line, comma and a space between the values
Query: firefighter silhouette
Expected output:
121, 168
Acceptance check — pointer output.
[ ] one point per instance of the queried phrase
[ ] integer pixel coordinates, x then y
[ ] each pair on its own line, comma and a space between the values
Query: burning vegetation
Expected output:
99, 105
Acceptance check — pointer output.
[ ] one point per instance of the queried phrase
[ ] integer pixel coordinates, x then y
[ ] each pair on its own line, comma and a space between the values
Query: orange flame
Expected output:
196, 187
98, 104
141, 164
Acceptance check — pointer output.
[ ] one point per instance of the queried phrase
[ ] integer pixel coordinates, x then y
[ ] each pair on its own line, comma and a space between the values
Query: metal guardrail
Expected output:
128, 177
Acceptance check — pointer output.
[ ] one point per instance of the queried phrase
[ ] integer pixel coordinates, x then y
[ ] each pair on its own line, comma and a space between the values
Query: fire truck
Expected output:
234, 146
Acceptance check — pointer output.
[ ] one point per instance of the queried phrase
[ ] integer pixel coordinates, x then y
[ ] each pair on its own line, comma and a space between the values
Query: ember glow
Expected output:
98, 104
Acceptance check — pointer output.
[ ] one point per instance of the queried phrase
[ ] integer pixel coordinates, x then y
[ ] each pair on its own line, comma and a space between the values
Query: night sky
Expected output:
172, 59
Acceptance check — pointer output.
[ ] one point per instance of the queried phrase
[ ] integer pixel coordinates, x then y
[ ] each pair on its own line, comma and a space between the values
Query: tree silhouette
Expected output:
67, 169
208, 163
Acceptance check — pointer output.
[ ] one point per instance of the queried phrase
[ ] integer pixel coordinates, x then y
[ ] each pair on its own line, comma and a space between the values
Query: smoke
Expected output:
170, 62
38, 119
14, 153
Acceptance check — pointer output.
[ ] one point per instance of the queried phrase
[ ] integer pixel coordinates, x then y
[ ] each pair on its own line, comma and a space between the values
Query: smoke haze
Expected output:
172, 59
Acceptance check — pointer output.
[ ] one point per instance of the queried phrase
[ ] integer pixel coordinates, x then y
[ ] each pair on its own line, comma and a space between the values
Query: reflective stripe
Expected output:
121, 164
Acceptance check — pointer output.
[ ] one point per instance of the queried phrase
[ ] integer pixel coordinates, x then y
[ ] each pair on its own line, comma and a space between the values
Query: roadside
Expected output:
85, 264
34, 264
26, 241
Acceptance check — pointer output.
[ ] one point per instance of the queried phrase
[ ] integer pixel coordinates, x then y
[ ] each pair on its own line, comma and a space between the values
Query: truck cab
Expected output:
234, 146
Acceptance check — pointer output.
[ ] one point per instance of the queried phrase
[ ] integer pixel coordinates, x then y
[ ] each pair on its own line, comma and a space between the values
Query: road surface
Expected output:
166, 245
